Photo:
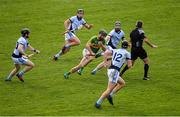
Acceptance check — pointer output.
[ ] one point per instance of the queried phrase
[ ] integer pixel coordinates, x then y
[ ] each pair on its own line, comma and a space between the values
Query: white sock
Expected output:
99, 101
112, 93
96, 69
58, 54
9, 77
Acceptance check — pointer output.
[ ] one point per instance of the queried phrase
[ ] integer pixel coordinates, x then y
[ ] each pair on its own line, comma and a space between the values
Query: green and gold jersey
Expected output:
96, 43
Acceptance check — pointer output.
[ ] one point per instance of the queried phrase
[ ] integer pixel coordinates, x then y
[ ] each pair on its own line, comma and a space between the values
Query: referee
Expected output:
137, 38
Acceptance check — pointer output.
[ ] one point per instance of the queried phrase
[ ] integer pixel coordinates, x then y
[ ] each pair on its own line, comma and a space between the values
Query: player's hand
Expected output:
25, 56
65, 32
90, 26
154, 46
100, 43
92, 54
37, 51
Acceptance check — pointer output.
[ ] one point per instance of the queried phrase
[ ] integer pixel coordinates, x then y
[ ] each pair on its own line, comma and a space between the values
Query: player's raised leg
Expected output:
105, 94
100, 66
83, 63
70, 41
13, 72
28, 66
120, 85
126, 68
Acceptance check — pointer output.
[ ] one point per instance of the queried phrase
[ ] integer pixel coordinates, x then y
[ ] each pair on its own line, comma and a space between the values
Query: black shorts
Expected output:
138, 52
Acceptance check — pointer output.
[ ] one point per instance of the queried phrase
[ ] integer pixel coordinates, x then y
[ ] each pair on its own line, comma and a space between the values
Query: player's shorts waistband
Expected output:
110, 44
114, 67
16, 56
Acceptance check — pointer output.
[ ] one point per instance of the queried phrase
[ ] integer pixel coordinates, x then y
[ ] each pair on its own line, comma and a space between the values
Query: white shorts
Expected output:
85, 52
113, 75
69, 35
20, 61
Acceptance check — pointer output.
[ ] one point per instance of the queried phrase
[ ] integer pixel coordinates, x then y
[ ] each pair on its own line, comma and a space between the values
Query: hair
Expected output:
103, 32
25, 31
139, 24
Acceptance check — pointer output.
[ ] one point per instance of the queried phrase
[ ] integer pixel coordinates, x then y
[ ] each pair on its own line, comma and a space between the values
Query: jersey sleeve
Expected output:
123, 35
104, 42
142, 34
83, 22
72, 19
128, 56
111, 33
92, 40
113, 51
21, 41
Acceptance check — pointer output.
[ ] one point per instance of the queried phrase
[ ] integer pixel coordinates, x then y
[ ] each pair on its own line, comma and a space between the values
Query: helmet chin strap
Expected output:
118, 30
79, 18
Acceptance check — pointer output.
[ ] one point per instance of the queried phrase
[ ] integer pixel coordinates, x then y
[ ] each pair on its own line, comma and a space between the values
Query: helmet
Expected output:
124, 44
80, 10
25, 31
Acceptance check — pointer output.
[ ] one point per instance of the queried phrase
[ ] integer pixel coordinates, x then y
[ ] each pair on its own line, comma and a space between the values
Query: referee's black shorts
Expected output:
138, 52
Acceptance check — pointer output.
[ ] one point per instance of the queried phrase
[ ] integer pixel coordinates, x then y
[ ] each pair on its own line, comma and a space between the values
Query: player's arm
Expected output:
146, 40
103, 46
129, 63
123, 37
32, 49
106, 55
88, 26
107, 38
130, 43
88, 47
66, 24
20, 49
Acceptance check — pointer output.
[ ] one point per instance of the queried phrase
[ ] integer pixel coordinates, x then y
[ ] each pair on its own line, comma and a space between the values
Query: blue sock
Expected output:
21, 73
100, 100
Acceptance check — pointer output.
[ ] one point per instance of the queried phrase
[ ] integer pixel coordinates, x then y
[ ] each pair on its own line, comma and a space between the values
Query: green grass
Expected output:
46, 92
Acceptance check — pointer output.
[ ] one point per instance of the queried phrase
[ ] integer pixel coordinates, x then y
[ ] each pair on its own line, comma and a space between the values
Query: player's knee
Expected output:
80, 65
122, 84
78, 42
146, 61
32, 65
17, 69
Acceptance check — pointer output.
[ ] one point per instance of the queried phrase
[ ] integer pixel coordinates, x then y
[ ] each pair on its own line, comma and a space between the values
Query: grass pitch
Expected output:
46, 92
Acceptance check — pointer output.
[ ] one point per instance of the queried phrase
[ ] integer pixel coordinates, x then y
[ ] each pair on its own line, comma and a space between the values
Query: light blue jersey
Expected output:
76, 23
22, 41
119, 57
115, 38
